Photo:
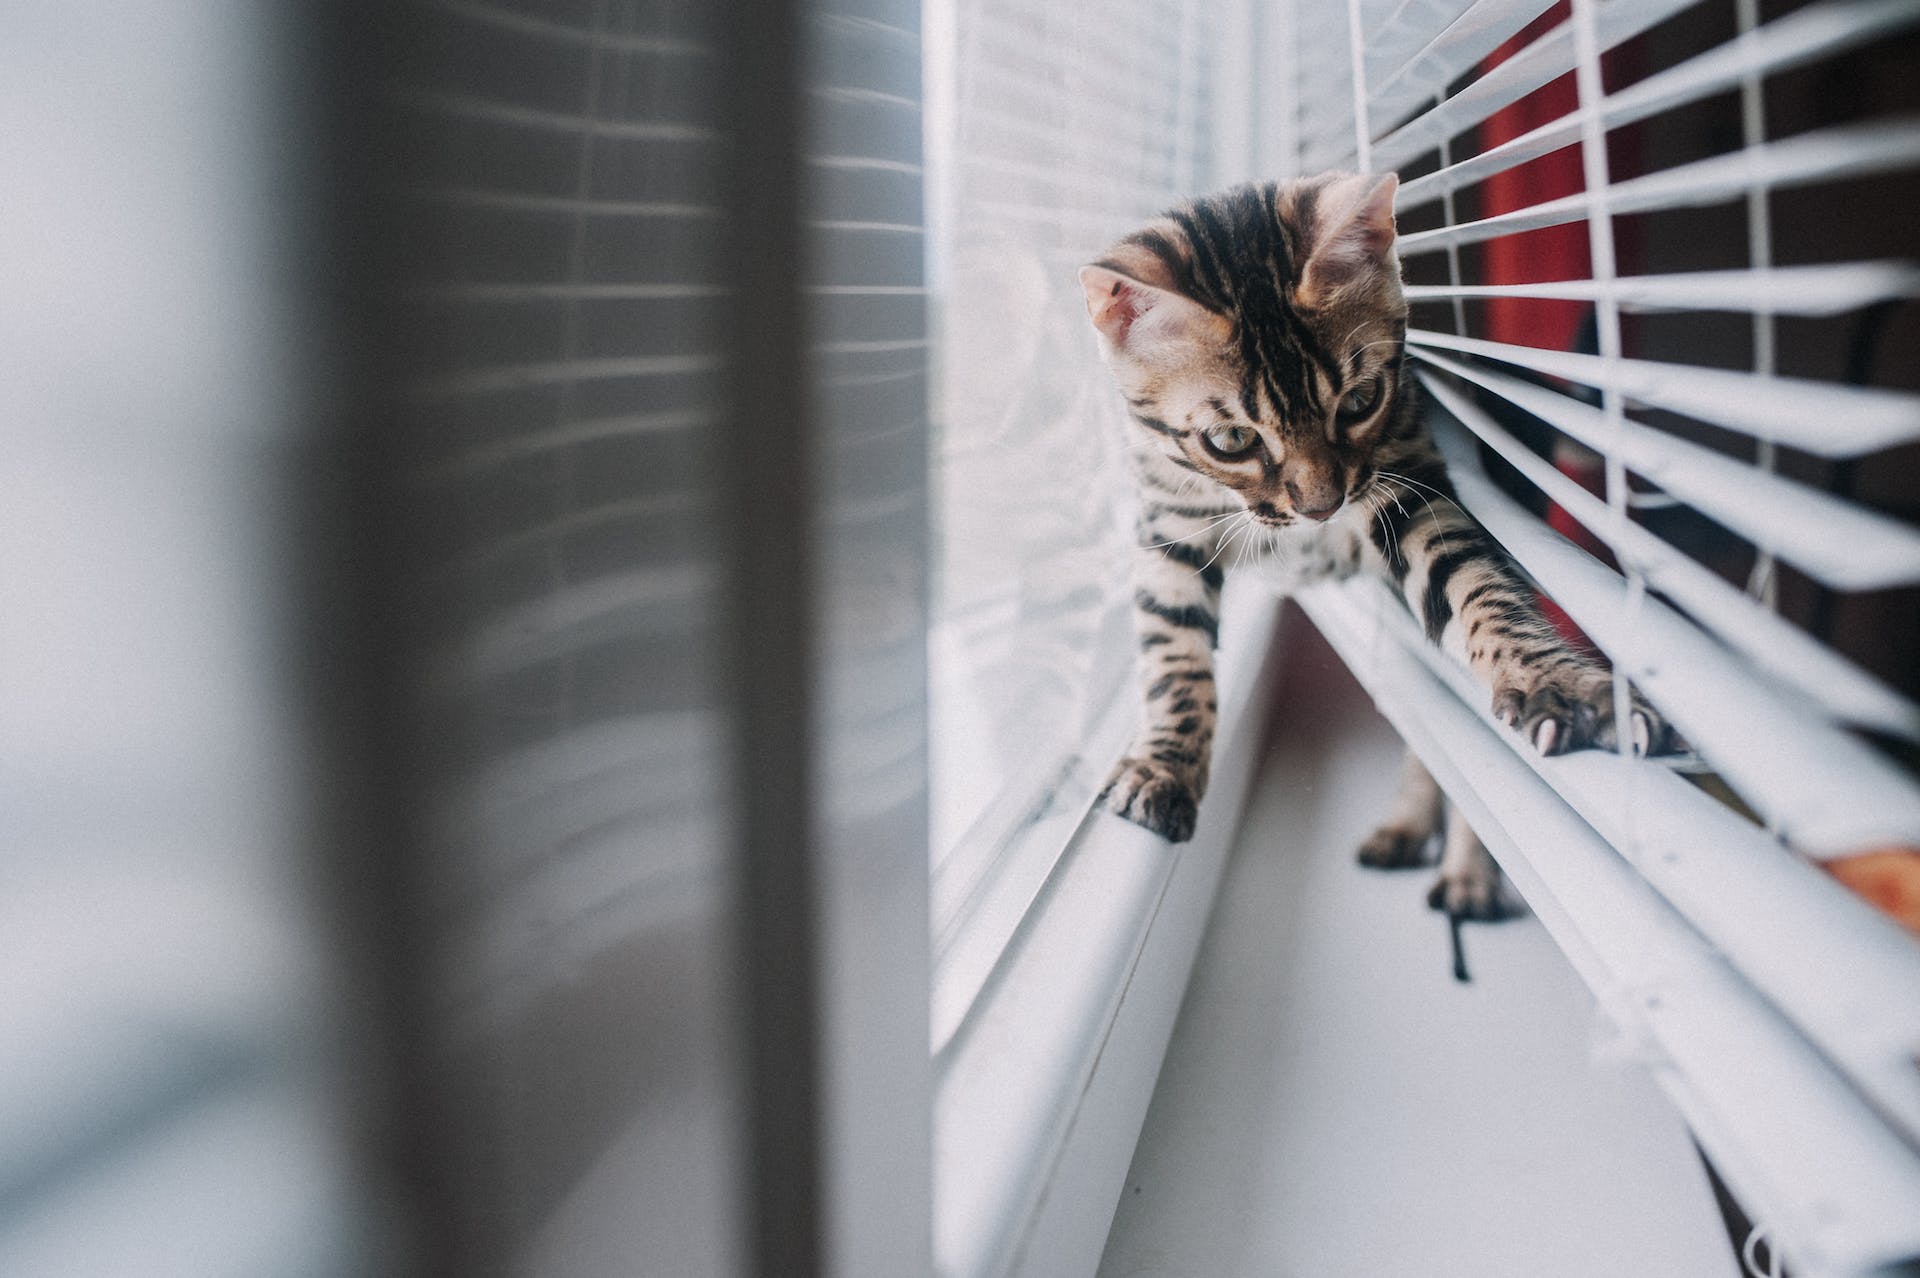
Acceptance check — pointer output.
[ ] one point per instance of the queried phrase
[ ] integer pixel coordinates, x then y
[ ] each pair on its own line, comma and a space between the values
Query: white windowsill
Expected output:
1043, 1084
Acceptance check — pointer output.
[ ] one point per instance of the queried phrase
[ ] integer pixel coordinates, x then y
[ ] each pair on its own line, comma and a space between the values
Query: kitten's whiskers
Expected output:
1376, 506
1209, 526
1414, 486
1238, 530
1260, 539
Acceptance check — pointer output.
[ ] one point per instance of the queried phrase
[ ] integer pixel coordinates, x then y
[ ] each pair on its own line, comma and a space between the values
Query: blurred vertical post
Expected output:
825, 475
765, 470
868, 385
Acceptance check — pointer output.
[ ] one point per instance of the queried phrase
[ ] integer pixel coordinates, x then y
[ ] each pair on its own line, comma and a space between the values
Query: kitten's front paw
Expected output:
1395, 847
1470, 891
1151, 793
1571, 708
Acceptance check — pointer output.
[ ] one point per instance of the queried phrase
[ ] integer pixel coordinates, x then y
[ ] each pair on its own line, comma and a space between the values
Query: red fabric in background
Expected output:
1551, 253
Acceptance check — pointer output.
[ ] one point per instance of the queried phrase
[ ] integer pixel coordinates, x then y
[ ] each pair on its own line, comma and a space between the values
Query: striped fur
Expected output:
1258, 337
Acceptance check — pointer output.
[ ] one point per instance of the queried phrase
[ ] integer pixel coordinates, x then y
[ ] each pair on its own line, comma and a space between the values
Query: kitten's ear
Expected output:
1354, 236
1138, 318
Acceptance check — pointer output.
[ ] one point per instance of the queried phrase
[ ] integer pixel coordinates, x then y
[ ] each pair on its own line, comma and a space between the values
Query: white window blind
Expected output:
1740, 388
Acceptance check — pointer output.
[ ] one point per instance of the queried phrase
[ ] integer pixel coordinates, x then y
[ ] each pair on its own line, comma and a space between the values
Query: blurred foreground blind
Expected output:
587, 477
381, 815
559, 224
1661, 259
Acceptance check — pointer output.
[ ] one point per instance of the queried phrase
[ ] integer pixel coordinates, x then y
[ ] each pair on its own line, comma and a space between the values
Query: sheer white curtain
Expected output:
1053, 130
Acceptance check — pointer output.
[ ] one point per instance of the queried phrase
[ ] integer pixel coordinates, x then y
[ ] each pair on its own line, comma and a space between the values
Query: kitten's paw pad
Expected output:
1473, 893
1150, 793
1395, 847
1571, 708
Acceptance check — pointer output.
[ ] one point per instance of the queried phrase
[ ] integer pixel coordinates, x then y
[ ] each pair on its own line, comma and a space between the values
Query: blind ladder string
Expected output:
1356, 52
1453, 250
1605, 269
1762, 583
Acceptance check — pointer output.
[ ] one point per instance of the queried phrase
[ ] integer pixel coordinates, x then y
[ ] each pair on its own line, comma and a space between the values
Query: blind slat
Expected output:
1862, 1006
1820, 788
1775, 645
1823, 156
1546, 59
1804, 1150
547, 29
490, 111
1781, 290
1812, 33
1816, 417
561, 205
1833, 541
501, 377
1410, 26
1466, 40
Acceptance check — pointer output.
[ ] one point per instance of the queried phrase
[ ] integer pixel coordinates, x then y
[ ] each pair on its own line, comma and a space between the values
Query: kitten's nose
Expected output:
1330, 499
1323, 514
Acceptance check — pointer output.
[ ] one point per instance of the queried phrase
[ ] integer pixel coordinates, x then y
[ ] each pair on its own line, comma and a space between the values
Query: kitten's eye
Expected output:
1230, 441
1360, 401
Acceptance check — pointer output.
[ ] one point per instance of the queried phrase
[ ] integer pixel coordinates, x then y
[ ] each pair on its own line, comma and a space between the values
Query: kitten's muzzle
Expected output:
1320, 505
1321, 515
1315, 487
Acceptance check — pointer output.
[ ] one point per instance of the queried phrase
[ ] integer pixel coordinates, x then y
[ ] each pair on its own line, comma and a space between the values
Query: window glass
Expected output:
1053, 131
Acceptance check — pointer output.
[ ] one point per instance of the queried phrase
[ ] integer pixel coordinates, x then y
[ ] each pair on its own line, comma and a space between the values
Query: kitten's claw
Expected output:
1571, 708
1150, 793
1395, 847
1470, 893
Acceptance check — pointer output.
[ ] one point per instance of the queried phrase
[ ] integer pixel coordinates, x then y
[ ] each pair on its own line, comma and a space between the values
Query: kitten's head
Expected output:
1258, 335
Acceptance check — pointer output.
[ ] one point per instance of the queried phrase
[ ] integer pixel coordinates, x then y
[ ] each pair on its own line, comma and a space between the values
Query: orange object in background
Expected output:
1887, 878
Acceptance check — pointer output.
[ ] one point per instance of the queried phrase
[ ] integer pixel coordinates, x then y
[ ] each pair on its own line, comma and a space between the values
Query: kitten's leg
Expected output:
1469, 882
1471, 599
1161, 779
1401, 841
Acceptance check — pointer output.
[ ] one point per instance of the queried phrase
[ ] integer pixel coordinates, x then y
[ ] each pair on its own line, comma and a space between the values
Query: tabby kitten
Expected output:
1258, 337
